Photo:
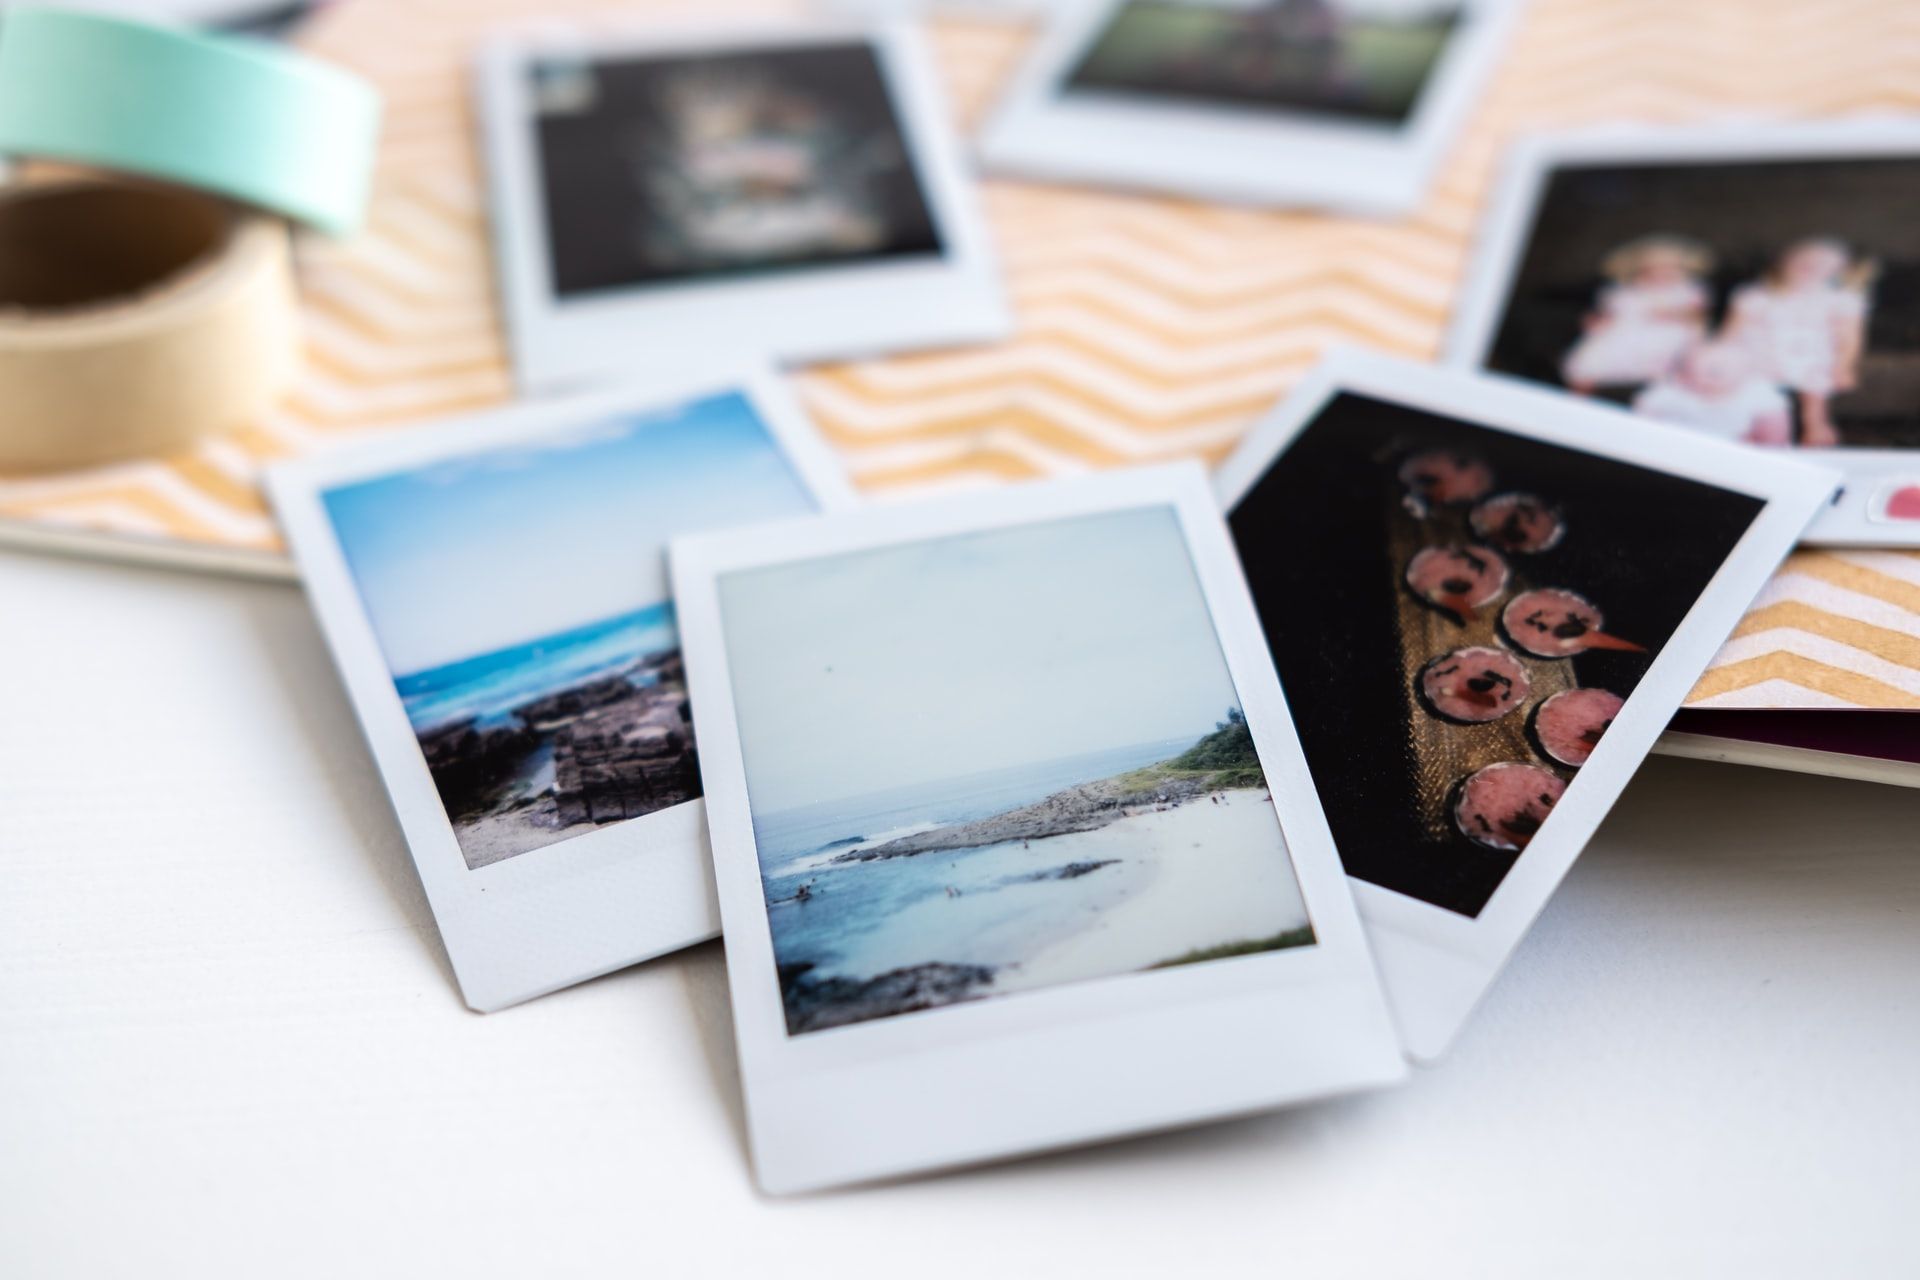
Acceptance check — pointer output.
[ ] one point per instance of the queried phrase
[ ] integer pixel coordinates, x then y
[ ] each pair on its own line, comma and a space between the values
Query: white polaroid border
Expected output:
1437, 963
1228, 152
828, 311
1032, 1070
596, 902
1857, 516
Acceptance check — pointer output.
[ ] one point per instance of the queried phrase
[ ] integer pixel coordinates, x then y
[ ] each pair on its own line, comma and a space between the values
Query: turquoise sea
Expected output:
489, 685
995, 898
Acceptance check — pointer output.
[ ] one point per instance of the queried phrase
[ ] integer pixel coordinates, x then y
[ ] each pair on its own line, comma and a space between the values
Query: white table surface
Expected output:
229, 1042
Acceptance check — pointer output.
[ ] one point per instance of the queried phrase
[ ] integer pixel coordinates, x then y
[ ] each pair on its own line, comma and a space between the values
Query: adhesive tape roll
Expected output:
219, 113
135, 319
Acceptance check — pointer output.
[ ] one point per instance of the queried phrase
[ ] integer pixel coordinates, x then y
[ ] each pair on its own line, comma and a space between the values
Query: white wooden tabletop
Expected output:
229, 1042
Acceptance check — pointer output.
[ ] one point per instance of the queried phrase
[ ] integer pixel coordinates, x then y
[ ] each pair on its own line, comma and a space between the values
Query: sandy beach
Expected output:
1173, 861
1155, 884
496, 836
1218, 876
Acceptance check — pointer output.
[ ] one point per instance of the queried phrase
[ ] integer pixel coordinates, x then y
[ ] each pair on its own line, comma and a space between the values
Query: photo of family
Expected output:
1482, 605
1364, 60
519, 598
1774, 302
978, 766
674, 166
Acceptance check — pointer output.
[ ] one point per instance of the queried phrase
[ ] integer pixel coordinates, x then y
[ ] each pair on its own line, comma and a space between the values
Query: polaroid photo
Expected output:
1345, 104
792, 192
1014, 843
1758, 283
1485, 601
494, 591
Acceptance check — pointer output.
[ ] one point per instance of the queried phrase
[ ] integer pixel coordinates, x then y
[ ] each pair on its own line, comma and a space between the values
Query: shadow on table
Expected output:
306, 674
704, 971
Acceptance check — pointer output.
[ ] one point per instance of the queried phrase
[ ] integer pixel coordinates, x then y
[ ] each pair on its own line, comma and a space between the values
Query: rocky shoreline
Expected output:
1072, 871
1224, 760
619, 745
1086, 807
813, 1004
943, 946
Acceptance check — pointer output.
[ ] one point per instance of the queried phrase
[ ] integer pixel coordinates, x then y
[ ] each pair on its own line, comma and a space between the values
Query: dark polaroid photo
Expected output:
1341, 104
1364, 60
793, 192
1758, 285
1483, 606
1484, 602
657, 168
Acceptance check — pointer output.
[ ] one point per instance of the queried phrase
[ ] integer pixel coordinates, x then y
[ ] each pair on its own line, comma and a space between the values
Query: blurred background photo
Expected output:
1364, 60
1775, 301
671, 167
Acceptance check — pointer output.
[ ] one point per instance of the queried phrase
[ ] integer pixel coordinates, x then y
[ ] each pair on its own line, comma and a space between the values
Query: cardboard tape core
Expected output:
134, 319
70, 246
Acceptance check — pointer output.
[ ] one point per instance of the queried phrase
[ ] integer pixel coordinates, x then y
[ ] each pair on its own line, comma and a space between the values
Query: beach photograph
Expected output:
1772, 301
520, 601
674, 166
981, 764
1457, 614
1363, 60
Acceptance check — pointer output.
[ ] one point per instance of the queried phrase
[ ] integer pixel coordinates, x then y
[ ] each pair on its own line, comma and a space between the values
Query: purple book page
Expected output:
1877, 735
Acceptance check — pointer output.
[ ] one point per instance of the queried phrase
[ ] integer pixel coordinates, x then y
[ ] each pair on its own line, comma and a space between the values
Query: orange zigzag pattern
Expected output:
1148, 328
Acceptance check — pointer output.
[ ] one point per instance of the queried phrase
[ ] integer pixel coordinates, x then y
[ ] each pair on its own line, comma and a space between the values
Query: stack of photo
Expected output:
1213, 704
1277, 767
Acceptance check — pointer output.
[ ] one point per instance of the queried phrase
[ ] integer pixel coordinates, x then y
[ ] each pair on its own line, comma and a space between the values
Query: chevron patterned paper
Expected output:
1147, 328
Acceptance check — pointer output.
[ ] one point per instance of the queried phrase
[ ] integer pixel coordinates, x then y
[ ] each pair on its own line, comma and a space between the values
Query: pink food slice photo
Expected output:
1460, 580
1475, 685
1442, 476
1518, 522
1504, 805
1552, 622
1570, 723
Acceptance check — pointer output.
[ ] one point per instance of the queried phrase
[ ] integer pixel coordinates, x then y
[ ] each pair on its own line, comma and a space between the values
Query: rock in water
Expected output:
468, 763
1072, 871
625, 758
814, 1004
555, 710
1087, 807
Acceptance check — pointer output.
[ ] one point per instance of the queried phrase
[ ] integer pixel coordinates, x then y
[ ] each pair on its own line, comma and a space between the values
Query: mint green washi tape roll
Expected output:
224, 114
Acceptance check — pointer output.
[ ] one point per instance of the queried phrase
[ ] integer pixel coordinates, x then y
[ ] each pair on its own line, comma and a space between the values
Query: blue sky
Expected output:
911, 664
490, 549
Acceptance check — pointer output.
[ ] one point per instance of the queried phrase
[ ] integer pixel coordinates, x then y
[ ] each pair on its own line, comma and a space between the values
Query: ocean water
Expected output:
863, 918
489, 685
